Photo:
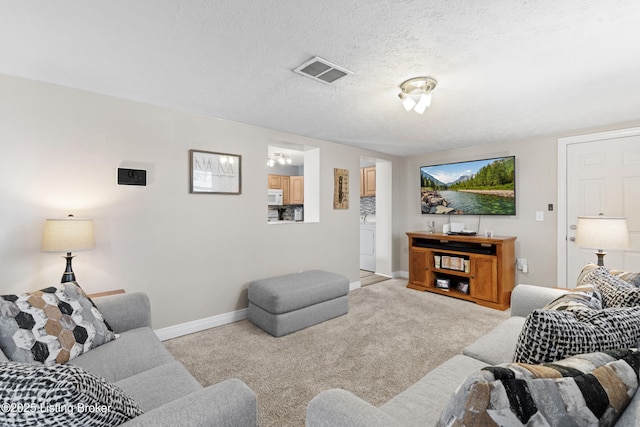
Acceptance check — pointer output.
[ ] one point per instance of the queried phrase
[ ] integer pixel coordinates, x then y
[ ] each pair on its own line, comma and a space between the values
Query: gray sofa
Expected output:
141, 366
422, 403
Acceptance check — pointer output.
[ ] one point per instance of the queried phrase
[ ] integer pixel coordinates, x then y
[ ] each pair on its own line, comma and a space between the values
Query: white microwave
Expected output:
274, 197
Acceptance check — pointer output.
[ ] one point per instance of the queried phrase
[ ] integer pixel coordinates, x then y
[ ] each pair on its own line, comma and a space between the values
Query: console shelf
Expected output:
472, 268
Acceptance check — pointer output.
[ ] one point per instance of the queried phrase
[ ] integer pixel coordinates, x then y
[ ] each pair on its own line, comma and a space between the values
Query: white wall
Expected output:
193, 254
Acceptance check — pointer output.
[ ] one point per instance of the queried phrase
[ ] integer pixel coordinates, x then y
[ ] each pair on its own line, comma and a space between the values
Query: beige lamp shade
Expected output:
602, 232
68, 235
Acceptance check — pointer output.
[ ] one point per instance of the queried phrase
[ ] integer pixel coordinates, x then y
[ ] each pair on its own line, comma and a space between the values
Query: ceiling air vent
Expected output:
321, 70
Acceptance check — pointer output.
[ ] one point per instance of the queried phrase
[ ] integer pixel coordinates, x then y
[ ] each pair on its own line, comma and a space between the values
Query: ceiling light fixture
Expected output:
279, 158
416, 93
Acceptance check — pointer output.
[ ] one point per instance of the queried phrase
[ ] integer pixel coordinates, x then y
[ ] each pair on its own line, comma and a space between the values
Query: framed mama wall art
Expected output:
214, 173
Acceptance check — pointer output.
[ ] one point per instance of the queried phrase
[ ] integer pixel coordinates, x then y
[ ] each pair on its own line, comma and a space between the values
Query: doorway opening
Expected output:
375, 216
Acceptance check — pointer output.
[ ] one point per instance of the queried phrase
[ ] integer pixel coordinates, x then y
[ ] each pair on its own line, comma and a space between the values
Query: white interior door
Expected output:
602, 176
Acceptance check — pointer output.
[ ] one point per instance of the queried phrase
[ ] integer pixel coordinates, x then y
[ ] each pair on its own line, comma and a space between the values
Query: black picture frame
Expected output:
463, 287
214, 173
442, 283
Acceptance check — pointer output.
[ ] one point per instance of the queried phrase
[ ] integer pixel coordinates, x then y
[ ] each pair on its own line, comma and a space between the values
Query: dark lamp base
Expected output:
68, 275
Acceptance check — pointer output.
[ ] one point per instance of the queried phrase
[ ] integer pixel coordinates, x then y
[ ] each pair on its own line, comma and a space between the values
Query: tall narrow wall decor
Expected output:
340, 188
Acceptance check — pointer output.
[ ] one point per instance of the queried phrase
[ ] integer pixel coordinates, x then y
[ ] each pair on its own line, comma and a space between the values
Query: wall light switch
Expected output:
539, 215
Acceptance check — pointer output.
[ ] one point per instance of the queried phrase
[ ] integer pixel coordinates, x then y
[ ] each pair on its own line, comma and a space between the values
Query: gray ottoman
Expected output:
285, 304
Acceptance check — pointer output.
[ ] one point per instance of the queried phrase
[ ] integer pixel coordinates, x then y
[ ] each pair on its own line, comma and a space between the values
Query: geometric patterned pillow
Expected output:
584, 297
551, 335
60, 395
615, 291
590, 389
52, 325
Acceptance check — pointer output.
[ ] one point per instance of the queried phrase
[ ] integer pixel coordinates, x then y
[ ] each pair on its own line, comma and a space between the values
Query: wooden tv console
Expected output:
472, 268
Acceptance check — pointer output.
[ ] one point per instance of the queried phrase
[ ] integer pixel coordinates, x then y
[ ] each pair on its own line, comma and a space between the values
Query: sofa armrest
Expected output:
526, 298
125, 311
230, 403
631, 415
340, 408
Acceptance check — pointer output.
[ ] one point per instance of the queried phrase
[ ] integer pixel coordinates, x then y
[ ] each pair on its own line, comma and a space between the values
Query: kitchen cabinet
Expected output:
473, 268
292, 188
296, 190
275, 182
368, 181
286, 190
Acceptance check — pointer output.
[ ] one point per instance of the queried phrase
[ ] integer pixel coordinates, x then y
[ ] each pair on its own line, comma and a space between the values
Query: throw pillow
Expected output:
585, 270
52, 325
590, 389
60, 395
584, 297
629, 277
550, 335
615, 291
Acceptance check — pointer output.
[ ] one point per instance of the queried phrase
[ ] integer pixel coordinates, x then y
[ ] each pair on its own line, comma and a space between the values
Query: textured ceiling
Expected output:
506, 69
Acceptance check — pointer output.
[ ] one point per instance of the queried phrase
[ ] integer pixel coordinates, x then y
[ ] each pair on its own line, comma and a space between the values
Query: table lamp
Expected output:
602, 232
68, 235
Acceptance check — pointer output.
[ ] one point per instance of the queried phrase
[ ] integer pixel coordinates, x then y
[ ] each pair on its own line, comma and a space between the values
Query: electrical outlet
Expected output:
521, 264
539, 215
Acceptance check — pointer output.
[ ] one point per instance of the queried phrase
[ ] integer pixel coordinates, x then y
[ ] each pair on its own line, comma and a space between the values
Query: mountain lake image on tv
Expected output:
478, 187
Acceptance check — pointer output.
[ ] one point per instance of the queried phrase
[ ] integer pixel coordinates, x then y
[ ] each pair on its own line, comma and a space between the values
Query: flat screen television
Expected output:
477, 187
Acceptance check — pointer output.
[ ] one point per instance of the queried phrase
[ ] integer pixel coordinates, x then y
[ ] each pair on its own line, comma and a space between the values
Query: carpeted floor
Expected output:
391, 337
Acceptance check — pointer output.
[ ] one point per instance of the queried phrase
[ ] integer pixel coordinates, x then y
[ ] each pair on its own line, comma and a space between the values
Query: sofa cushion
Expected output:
135, 351
589, 389
550, 335
420, 404
157, 386
583, 297
52, 325
290, 292
628, 276
615, 291
498, 345
60, 395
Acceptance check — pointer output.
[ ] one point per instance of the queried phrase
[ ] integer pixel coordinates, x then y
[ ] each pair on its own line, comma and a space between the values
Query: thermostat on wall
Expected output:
132, 177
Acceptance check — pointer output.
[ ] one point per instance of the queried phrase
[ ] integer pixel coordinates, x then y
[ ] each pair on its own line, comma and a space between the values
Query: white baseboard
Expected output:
400, 275
354, 285
200, 325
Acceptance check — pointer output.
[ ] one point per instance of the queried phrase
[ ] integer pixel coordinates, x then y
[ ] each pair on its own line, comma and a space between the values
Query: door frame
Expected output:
563, 145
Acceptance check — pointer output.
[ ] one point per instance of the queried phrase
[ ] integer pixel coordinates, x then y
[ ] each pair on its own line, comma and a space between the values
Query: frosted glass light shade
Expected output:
423, 103
68, 235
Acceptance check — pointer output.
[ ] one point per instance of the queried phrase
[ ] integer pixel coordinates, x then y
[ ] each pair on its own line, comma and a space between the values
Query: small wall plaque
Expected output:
340, 188
132, 177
